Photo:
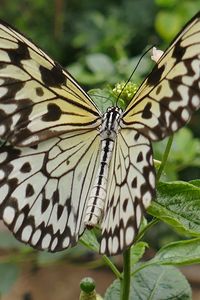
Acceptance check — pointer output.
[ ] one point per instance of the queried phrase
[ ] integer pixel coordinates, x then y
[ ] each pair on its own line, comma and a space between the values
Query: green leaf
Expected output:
184, 142
44, 258
178, 253
157, 164
195, 182
100, 63
154, 283
178, 204
113, 291
103, 98
166, 3
137, 252
47, 258
89, 240
8, 275
168, 20
84, 76
8, 241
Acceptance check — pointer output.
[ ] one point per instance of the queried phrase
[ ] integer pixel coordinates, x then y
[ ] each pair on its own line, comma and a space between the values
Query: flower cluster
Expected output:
125, 91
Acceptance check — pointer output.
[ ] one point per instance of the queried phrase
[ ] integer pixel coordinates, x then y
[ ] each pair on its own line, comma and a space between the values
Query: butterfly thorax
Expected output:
110, 123
108, 132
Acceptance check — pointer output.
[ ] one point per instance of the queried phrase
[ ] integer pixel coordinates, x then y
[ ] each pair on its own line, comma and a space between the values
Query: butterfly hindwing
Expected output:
170, 94
130, 191
43, 189
38, 98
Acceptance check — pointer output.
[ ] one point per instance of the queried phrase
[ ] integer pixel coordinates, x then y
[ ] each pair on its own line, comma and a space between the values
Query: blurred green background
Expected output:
100, 42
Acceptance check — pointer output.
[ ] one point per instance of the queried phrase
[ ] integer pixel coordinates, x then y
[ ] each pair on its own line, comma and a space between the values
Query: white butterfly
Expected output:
64, 165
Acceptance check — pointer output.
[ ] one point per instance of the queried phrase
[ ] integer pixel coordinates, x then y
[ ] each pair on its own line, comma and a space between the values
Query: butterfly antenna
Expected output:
133, 72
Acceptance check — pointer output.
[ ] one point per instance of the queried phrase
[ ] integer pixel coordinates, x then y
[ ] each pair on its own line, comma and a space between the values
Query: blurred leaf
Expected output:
137, 251
195, 182
166, 3
154, 283
83, 76
102, 33
101, 63
113, 291
70, 254
44, 257
183, 143
103, 98
157, 164
178, 204
8, 275
89, 240
8, 241
178, 253
168, 24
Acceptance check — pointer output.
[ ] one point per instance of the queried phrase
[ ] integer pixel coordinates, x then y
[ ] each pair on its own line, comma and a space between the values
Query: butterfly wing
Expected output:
130, 190
43, 189
49, 160
38, 98
167, 98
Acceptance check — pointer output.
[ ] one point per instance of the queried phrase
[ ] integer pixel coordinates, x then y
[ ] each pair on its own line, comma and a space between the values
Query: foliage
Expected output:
8, 274
155, 283
184, 142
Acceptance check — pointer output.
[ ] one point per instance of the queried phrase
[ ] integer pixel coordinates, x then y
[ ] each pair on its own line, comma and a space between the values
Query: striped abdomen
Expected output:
96, 201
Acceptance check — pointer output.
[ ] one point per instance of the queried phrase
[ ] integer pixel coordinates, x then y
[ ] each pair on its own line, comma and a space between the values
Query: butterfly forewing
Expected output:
43, 189
38, 98
170, 94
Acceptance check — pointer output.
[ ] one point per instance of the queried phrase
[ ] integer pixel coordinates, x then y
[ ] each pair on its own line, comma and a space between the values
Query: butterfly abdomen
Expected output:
108, 132
97, 197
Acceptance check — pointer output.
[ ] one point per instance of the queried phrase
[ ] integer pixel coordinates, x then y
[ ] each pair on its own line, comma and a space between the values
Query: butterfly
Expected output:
64, 165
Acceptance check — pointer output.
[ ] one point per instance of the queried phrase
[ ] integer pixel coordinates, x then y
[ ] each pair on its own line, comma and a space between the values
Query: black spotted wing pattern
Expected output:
170, 94
43, 189
38, 98
130, 191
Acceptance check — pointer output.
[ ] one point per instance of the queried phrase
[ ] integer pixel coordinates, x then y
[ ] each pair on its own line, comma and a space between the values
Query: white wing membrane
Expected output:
130, 191
43, 190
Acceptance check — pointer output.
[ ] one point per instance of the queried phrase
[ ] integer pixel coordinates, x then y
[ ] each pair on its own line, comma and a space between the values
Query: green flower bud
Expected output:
87, 285
88, 292
125, 91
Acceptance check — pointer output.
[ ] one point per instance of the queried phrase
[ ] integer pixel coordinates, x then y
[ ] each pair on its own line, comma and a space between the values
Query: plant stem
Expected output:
165, 156
125, 282
146, 228
112, 266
